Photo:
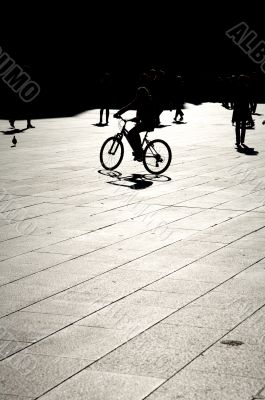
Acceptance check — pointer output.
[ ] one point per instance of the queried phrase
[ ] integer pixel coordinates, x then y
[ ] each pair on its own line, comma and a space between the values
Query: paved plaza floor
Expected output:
125, 286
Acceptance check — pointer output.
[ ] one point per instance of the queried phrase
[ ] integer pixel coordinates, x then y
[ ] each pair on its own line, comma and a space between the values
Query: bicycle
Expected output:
156, 153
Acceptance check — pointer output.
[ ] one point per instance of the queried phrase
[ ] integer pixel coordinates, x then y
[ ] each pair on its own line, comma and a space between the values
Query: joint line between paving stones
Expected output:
150, 326
82, 255
206, 349
167, 379
257, 396
127, 262
104, 247
74, 237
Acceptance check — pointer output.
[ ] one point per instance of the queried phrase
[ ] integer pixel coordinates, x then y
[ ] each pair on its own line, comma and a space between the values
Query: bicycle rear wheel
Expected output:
111, 153
157, 157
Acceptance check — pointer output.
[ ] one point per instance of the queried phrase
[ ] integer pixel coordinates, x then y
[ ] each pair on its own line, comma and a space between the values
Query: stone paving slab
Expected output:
7, 397
189, 385
31, 375
97, 385
31, 327
232, 360
113, 287
160, 351
9, 347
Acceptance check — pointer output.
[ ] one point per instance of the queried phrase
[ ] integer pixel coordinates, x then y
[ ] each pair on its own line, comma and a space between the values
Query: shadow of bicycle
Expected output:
134, 181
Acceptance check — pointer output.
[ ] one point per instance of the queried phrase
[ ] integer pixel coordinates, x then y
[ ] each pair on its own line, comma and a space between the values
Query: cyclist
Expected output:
145, 120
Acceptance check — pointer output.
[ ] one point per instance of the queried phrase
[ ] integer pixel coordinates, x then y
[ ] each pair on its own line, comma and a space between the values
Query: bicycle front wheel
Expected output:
157, 157
111, 153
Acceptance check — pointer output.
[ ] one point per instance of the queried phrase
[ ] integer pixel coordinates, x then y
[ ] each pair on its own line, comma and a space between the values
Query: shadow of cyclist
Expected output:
138, 181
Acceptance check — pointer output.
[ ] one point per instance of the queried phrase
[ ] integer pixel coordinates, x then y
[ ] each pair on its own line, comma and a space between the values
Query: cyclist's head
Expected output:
142, 93
243, 80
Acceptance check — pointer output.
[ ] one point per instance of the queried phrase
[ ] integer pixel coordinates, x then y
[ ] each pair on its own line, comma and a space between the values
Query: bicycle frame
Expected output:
124, 132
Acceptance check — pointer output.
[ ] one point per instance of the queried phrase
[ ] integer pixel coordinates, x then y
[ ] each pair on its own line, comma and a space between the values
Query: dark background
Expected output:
68, 48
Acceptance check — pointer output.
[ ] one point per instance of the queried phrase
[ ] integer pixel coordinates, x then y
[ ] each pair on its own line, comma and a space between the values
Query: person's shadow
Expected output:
100, 124
161, 126
138, 180
13, 131
249, 151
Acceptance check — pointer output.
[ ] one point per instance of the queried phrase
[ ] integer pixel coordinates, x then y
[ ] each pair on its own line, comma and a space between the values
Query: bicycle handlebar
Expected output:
119, 117
125, 120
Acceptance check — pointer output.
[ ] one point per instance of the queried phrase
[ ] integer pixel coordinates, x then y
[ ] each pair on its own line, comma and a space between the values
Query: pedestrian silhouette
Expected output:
29, 125
242, 111
224, 87
157, 89
20, 109
161, 94
14, 141
254, 92
105, 92
178, 99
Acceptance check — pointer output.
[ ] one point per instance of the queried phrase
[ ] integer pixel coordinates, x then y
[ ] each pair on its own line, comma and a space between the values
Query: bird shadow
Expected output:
179, 122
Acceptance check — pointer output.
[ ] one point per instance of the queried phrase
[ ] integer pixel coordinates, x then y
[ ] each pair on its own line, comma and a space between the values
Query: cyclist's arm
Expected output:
129, 106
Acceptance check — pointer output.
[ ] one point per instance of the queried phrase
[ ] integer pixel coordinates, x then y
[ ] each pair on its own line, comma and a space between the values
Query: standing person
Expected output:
232, 88
178, 97
105, 96
242, 112
155, 92
161, 94
29, 125
145, 120
254, 92
20, 108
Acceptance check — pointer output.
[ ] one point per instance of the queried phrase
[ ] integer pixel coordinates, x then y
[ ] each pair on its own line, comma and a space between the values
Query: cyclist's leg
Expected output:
134, 139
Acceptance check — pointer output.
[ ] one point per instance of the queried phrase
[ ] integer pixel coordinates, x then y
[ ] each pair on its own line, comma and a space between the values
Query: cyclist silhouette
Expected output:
145, 120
